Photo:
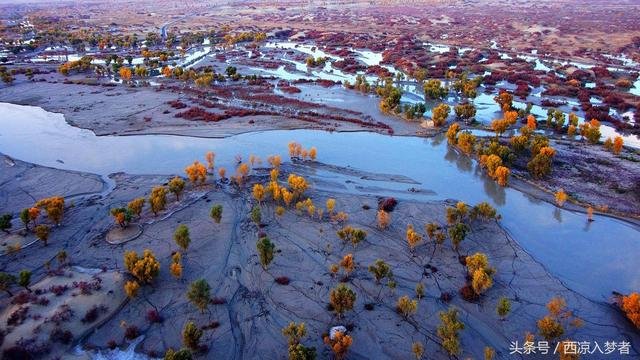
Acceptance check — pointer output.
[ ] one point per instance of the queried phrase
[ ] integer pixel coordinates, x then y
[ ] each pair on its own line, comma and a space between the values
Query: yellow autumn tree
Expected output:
413, 238
331, 205
131, 288
298, 184
258, 192
144, 268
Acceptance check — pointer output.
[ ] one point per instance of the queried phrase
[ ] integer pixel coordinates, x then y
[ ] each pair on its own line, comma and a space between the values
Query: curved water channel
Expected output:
591, 258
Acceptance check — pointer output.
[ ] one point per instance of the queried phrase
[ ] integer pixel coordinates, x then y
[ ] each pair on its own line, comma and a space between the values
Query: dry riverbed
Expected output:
249, 308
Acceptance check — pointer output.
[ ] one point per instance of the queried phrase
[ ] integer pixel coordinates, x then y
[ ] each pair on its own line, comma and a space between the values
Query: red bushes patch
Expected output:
387, 204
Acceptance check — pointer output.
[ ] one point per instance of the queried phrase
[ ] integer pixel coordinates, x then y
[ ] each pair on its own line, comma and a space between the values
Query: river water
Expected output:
592, 258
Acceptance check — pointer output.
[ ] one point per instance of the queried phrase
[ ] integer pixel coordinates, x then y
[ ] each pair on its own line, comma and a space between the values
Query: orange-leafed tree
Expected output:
210, 157
196, 172
630, 304
167, 72
511, 117
383, 219
502, 175
125, 73
531, 122
561, 197
348, 264
34, 212
339, 344
618, 142
499, 126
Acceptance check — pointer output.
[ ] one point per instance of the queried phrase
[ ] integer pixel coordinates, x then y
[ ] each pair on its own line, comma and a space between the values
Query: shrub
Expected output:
353, 235
92, 314
131, 332
61, 336
282, 280
153, 316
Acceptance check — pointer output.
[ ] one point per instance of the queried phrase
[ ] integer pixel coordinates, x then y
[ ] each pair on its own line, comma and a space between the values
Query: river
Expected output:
591, 258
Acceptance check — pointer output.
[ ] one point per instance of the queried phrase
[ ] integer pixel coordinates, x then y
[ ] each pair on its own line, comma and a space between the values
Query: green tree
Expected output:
199, 294
182, 354
191, 335
42, 233
457, 233
294, 332
181, 236
465, 111
380, 270
301, 352
433, 89
265, 251
24, 279
448, 330
216, 213
256, 215
503, 307
24, 217
5, 222
353, 235
419, 290
6, 280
